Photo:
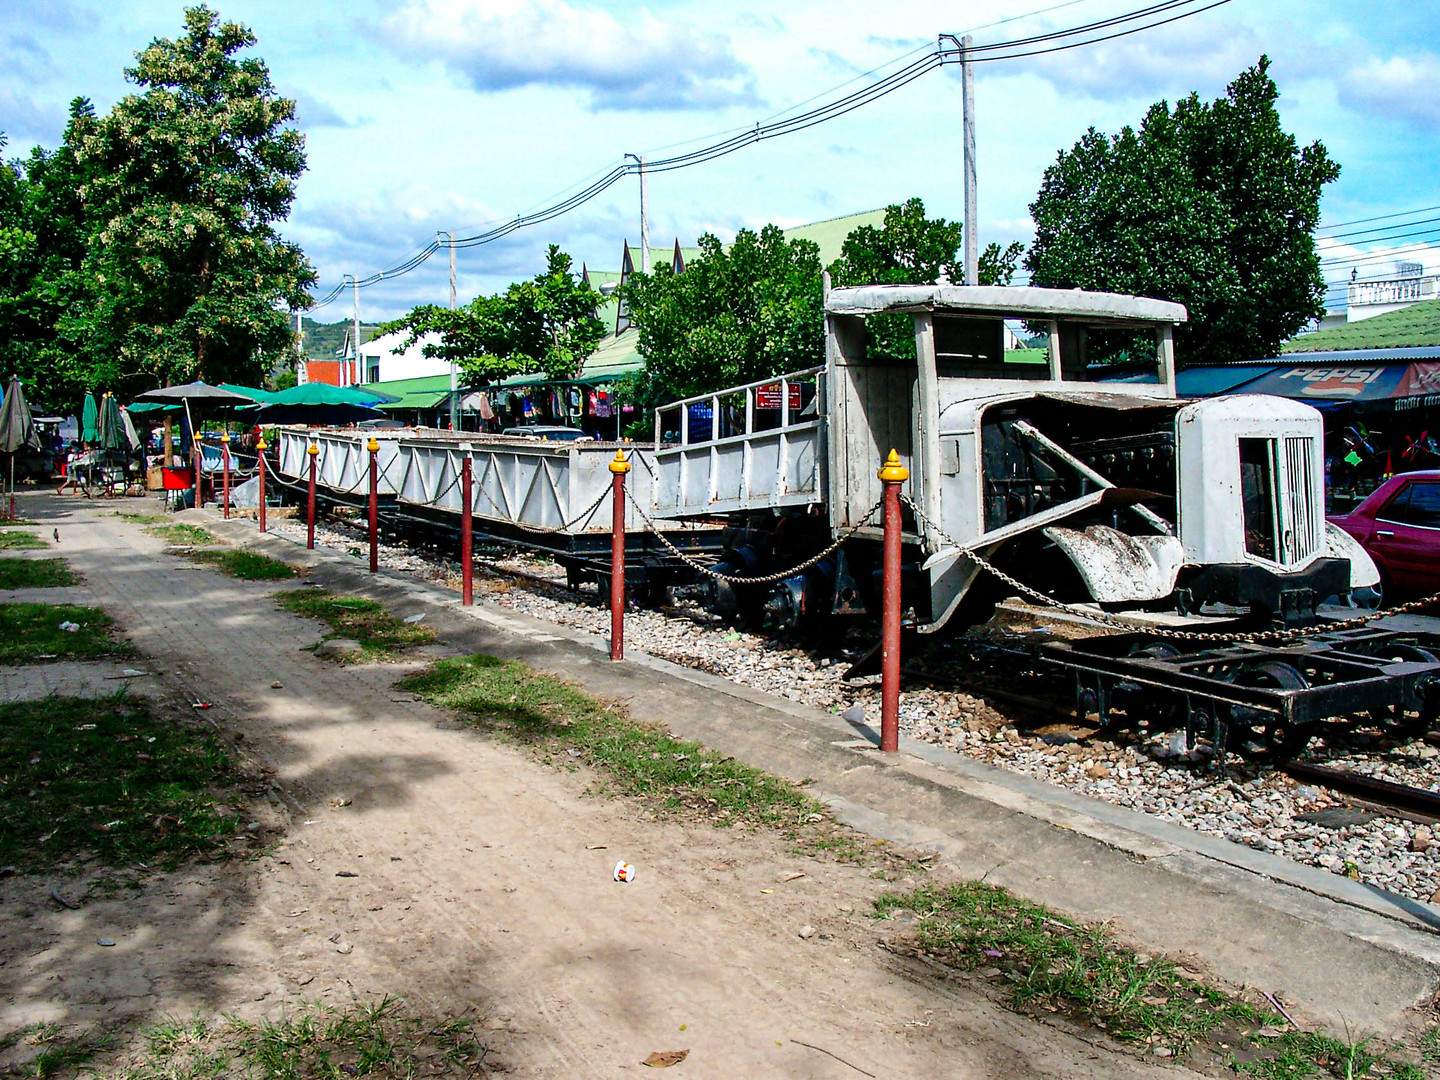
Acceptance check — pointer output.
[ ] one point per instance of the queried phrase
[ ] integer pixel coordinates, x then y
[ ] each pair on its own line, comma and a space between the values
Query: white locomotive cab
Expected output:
1112, 492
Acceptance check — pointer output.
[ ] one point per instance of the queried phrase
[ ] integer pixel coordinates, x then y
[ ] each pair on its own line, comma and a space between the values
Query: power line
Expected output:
1133, 22
1379, 217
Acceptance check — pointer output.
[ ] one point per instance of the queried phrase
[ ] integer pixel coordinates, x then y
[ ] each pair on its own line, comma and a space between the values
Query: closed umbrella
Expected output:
17, 430
89, 414
111, 431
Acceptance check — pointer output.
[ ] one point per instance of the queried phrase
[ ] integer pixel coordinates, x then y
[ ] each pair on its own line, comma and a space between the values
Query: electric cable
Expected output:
830, 110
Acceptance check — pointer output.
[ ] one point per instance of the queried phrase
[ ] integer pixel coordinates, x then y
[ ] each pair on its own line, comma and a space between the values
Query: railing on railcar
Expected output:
752, 447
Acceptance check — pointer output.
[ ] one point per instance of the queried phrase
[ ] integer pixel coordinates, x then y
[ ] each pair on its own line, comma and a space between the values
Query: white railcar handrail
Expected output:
748, 389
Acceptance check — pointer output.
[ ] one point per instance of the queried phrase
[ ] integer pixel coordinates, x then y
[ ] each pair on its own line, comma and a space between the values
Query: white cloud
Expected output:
1167, 62
640, 63
1406, 87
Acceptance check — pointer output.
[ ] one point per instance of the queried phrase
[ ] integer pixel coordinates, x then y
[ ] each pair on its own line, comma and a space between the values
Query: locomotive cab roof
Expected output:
1008, 302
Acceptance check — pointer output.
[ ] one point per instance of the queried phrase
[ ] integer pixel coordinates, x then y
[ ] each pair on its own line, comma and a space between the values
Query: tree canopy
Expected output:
151, 253
735, 315
1211, 204
911, 249
546, 325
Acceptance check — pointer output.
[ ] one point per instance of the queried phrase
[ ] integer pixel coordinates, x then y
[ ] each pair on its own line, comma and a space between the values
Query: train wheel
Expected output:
1394, 718
1261, 735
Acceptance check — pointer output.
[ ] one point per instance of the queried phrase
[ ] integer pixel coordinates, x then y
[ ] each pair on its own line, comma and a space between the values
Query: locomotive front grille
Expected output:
1300, 525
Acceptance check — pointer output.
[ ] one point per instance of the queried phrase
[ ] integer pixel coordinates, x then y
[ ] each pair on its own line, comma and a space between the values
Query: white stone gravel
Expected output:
1258, 808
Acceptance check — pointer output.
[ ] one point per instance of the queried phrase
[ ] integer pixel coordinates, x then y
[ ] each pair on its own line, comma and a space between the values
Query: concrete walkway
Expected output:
1345, 955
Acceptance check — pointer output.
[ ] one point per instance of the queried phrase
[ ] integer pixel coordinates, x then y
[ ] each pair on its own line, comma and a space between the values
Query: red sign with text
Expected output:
768, 397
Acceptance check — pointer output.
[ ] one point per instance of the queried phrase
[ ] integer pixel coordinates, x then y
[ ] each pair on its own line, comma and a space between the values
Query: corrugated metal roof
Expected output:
1416, 326
422, 393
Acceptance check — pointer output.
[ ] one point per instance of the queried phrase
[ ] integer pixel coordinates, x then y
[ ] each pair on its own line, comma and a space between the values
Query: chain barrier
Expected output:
767, 579
1104, 618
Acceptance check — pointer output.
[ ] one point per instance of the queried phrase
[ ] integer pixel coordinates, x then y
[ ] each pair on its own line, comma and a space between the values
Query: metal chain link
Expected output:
1104, 618
768, 579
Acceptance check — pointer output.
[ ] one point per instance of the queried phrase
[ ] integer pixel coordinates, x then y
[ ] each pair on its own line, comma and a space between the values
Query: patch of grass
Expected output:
19, 540
30, 633
36, 574
245, 565
58, 1053
309, 1041
366, 621
106, 779
564, 724
142, 518
182, 535
1051, 964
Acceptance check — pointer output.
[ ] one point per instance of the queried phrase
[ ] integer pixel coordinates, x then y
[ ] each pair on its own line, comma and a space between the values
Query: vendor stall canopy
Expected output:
1377, 380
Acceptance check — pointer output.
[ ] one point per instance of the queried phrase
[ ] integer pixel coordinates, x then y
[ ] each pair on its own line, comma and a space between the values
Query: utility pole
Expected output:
299, 346
967, 98
355, 284
454, 370
644, 216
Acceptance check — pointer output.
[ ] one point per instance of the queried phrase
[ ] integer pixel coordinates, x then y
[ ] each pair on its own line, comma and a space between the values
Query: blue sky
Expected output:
425, 115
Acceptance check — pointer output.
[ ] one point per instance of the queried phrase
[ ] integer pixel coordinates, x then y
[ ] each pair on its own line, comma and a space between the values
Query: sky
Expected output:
422, 116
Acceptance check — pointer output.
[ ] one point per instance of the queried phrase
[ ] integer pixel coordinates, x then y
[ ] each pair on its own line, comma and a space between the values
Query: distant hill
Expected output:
323, 340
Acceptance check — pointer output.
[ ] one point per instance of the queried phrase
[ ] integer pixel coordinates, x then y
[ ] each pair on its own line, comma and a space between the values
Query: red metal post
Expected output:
260, 467
618, 468
197, 449
374, 448
313, 452
225, 469
467, 539
892, 475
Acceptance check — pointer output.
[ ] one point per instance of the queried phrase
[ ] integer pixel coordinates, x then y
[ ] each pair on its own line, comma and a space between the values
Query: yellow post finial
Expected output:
619, 466
224, 436
892, 472
313, 449
260, 445
373, 445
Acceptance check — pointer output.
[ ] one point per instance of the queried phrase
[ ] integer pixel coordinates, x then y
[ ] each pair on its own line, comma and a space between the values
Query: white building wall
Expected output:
411, 363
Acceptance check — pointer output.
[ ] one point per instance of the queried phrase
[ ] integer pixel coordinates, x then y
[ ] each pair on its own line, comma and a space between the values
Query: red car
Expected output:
1399, 525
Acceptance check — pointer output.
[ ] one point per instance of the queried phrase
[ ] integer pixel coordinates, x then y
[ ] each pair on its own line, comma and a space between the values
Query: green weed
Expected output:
379, 633
564, 724
245, 565
182, 535
106, 779
36, 574
1051, 964
19, 540
30, 633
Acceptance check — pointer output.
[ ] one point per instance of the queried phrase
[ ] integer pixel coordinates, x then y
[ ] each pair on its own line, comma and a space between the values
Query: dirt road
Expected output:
463, 875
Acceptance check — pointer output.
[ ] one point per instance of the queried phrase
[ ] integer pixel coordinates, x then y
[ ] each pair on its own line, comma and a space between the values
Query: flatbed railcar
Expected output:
1116, 499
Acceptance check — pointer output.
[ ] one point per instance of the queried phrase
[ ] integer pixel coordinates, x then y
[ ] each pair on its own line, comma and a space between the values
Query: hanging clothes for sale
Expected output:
601, 406
527, 406
483, 404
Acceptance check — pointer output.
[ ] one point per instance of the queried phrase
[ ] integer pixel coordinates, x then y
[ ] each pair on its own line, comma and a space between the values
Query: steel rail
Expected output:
1384, 793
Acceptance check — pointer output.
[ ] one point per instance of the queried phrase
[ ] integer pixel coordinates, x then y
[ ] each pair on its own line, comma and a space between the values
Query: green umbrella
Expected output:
249, 391
112, 430
88, 415
17, 430
318, 393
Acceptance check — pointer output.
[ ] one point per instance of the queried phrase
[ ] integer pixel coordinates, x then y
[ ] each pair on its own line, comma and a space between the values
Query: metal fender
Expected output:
1341, 545
1118, 567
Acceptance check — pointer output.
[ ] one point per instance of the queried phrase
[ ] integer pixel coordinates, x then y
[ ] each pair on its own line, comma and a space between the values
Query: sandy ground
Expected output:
465, 876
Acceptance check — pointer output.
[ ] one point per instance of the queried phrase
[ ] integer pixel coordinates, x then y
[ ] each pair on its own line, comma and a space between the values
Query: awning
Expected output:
1379, 387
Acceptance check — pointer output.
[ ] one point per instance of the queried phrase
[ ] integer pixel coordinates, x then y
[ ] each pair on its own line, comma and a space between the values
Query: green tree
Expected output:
186, 275
19, 249
911, 249
735, 315
1210, 204
545, 326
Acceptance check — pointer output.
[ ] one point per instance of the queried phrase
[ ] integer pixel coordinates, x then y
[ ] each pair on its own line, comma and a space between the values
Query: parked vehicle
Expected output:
1399, 525
551, 433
